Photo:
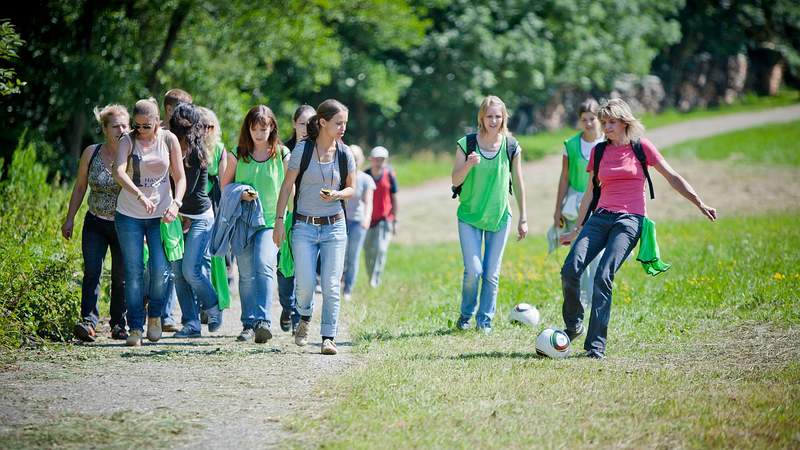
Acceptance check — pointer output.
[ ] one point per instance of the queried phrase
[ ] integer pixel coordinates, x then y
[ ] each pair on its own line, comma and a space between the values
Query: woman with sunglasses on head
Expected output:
191, 272
98, 235
146, 159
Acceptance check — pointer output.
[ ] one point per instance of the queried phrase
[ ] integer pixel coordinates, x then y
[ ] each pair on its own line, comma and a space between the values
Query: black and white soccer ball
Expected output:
524, 314
552, 343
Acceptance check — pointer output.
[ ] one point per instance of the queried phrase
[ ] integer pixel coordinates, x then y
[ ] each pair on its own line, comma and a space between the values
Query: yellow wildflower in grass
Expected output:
778, 276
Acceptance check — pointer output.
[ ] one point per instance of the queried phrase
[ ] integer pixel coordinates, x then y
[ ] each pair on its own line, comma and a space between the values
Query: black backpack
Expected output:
308, 151
598, 155
472, 146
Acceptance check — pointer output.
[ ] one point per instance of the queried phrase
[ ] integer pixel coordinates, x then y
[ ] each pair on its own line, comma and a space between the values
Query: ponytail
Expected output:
312, 128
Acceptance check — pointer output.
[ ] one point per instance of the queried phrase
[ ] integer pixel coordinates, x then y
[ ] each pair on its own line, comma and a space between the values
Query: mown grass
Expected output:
702, 356
774, 144
427, 165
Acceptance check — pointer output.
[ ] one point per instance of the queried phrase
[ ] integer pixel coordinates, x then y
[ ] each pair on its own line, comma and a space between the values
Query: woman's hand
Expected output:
171, 213
567, 239
522, 229
329, 195
278, 233
558, 219
473, 159
149, 206
708, 211
66, 229
249, 195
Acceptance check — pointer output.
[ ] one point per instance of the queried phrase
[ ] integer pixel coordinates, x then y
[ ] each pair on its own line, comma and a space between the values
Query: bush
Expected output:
39, 295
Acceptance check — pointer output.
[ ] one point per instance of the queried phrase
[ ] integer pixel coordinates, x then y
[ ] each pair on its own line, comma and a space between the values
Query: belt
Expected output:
328, 220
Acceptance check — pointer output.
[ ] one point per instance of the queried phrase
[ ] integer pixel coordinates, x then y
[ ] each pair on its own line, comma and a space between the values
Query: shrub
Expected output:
39, 295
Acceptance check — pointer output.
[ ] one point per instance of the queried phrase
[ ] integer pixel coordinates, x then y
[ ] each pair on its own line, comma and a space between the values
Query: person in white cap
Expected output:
384, 214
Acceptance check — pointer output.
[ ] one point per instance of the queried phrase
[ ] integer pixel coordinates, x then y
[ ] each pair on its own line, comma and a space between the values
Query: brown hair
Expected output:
175, 96
326, 110
146, 107
261, 115
103, 116
589, 105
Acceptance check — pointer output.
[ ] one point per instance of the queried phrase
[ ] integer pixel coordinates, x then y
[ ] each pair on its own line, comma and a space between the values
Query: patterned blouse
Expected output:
104, 190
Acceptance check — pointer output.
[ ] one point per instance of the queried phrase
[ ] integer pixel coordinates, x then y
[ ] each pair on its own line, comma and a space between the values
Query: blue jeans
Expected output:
615, 234
257, 278
193, 275
97, 237
169, 315
131, 233
328, 242
355, 241
286, 296
485, 268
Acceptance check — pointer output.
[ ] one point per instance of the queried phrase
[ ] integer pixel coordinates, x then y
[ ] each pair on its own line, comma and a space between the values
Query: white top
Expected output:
149, 171
586, 147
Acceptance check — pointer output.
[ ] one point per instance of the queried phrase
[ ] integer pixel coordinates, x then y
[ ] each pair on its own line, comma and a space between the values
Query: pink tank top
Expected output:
149, 171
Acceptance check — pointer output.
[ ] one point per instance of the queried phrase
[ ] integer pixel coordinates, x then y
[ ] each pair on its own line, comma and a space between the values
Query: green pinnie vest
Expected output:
578, 177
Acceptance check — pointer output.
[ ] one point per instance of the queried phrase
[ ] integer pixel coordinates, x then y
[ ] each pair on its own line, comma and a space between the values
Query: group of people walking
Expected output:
166, 198
302, 210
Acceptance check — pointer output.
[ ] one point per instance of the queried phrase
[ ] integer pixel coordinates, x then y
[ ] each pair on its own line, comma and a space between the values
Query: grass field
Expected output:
427, 165
704, 355
775, 144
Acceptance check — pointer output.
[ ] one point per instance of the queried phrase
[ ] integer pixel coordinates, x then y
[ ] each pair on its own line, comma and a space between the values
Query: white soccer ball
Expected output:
552, 343
525, 314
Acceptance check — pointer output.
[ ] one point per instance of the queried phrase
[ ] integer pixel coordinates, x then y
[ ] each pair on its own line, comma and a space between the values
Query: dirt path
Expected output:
220, 393
428, 212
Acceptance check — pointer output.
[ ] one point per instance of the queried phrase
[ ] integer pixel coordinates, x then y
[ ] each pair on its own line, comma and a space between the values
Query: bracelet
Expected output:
139, 195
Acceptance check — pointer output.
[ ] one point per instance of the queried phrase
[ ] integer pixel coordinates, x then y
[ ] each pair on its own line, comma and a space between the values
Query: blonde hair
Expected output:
103, 116
146, 107
358, 155
616, 108
493, 100
212, 136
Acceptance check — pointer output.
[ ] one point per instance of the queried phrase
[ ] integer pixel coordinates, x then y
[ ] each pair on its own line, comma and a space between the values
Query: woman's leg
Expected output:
371, 250
159, 267
305, 248
256, 266
196, 267
588, 244
384, 236
333, 244
471, 239
94, 245
117, 307
131, 232
355, 240
623, 236
495, 243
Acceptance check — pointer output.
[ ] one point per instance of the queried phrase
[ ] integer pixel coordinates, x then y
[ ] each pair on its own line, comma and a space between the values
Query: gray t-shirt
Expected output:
355, 205
315, 178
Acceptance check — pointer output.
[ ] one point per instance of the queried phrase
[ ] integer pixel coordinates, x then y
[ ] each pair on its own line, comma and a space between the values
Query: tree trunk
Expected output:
175, 23
75, 137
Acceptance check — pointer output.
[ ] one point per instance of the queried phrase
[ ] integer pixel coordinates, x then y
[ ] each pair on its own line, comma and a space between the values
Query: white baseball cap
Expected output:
379, 152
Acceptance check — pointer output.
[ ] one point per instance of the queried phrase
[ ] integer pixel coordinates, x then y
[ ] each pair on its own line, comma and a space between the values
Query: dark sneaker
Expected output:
594, 354
463, 323
187, 333
119, 333
286, 320
262, 332
203, 317
573, 334
246, 335
84, 331
214, 319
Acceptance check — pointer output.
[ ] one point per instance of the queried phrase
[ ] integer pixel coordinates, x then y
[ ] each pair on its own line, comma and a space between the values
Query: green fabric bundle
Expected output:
172, 239
649, 255
219, 279
286, 262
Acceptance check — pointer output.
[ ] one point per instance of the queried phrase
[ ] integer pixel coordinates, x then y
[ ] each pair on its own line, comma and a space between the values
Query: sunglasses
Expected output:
136, 126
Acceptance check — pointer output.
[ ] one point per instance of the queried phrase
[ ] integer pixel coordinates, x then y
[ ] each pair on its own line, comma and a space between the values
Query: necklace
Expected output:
322, 174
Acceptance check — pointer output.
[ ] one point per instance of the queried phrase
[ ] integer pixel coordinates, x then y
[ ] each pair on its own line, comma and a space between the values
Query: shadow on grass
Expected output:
498, 355
216, 351
384, 336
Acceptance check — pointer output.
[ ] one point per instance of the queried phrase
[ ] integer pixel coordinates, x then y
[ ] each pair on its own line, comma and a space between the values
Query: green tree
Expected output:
10, 42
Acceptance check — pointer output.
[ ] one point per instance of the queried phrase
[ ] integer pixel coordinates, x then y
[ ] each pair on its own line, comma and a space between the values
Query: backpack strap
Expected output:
308, 149
638, 150
598, 155
511, 148
94, 154
472, 146
341, 155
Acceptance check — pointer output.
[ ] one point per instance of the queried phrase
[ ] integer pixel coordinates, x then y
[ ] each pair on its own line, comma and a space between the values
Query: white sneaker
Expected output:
301, 334
328, 347
347, 297
134, 338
